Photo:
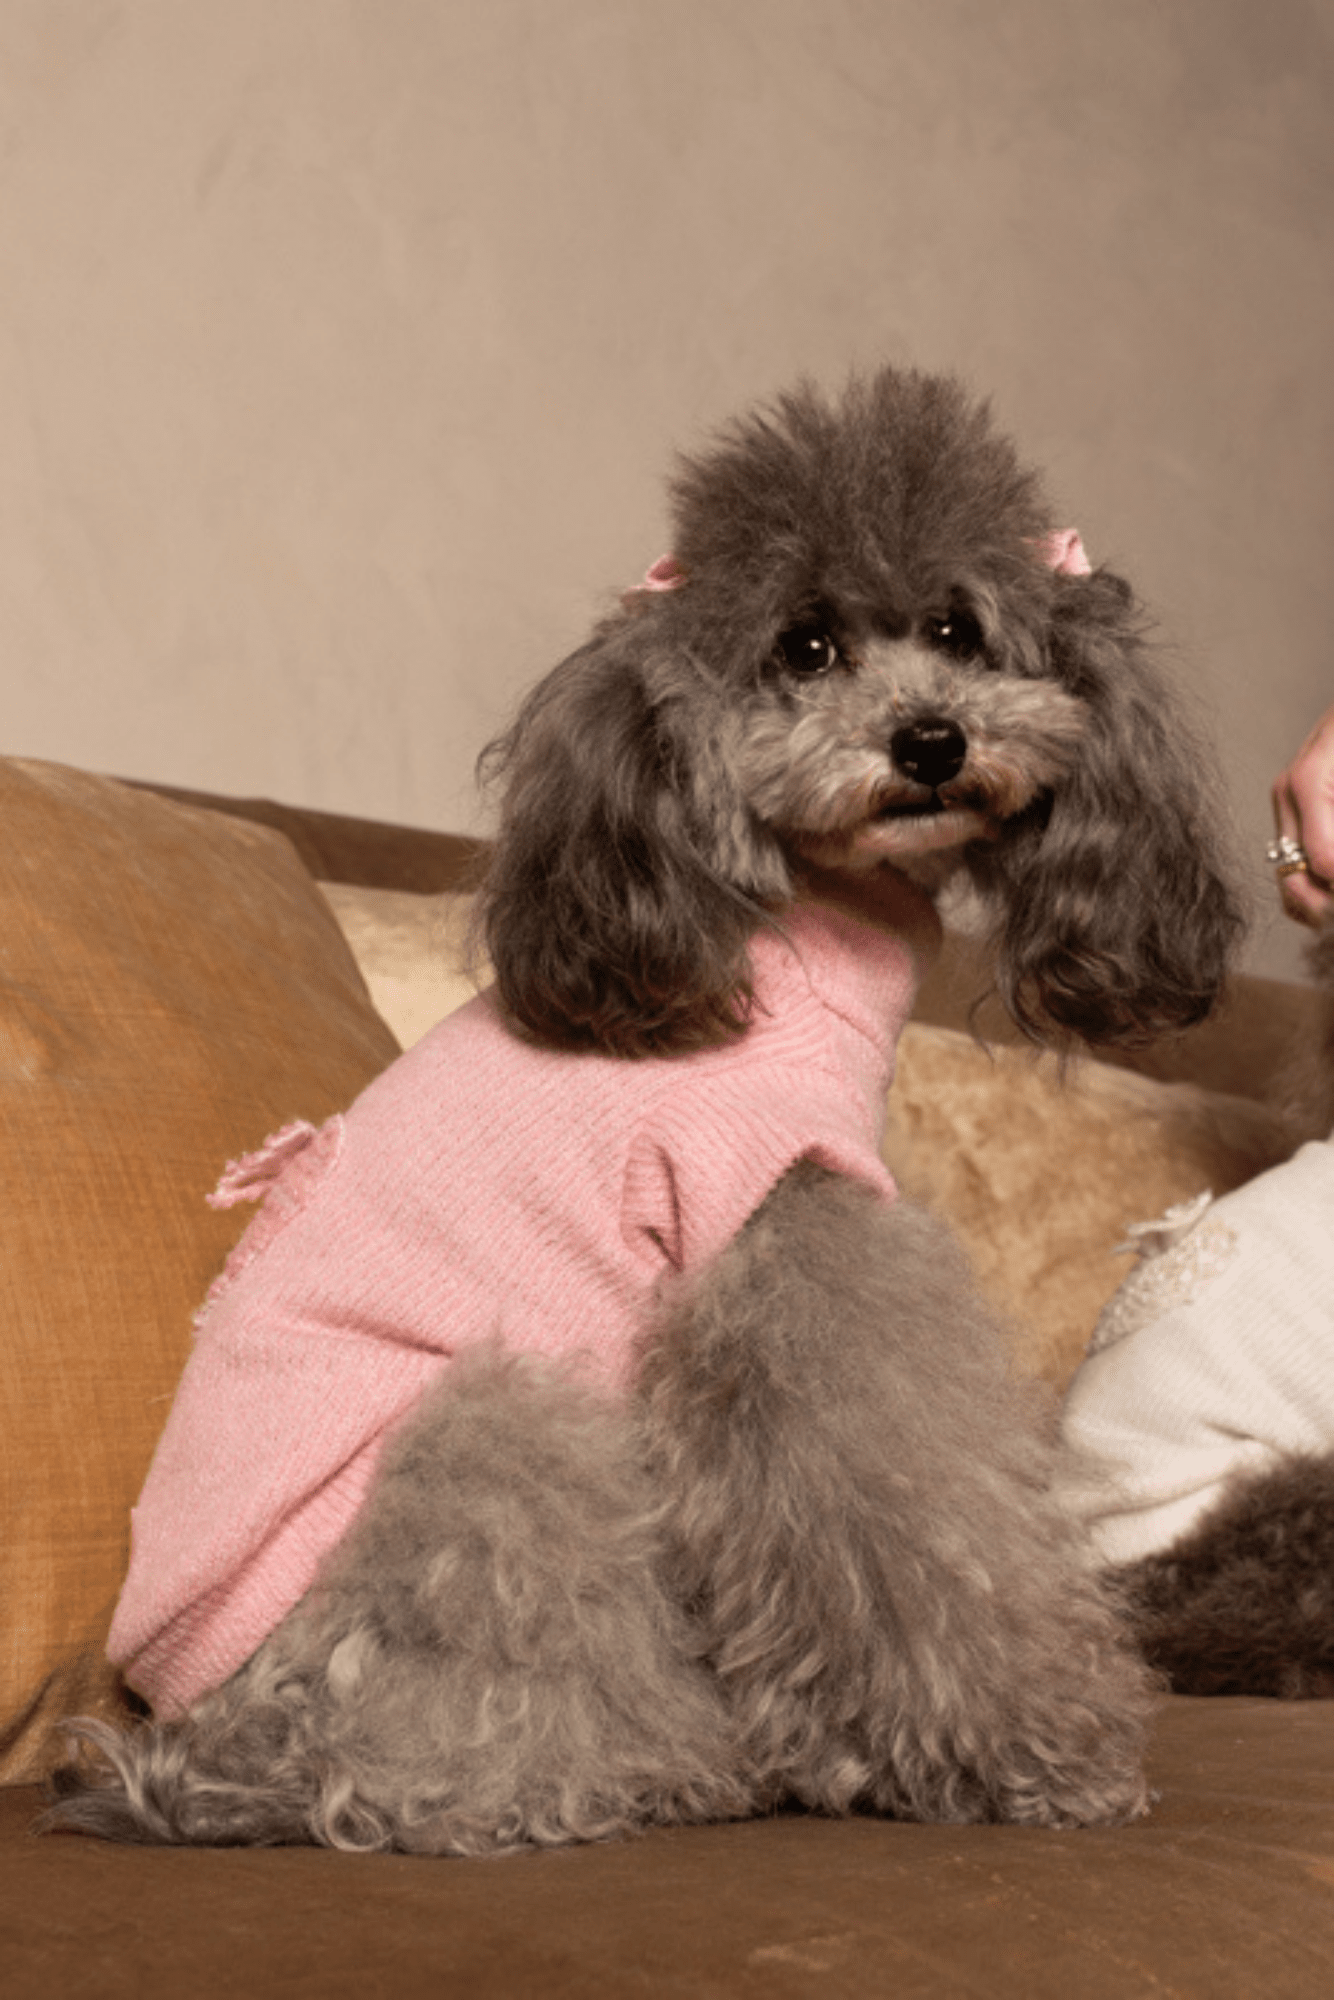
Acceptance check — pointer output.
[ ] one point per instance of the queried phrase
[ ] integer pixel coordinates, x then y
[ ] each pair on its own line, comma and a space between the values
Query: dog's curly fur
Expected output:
1244, 1604
814, 1557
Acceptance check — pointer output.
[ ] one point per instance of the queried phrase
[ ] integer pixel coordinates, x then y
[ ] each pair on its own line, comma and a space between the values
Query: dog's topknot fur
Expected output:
887, 498
632, 864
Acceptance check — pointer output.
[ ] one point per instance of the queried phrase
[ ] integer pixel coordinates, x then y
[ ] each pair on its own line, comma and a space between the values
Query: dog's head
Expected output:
869, 650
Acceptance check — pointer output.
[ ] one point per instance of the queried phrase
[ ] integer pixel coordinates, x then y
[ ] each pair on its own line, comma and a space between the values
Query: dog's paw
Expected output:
1023, 1783
1084, 1792
1069, 1755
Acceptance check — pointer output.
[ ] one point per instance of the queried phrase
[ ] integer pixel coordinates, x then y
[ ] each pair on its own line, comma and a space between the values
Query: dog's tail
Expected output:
224, 1777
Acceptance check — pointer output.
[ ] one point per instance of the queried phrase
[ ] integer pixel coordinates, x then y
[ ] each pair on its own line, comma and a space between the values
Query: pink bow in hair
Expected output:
665, 574
1063, 551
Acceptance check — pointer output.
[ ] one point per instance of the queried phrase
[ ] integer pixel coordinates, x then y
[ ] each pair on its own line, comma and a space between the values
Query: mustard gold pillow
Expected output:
173, 988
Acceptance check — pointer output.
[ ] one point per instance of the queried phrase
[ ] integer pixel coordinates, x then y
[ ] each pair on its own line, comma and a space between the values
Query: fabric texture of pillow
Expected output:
412, 951
1041, 1173
172, 989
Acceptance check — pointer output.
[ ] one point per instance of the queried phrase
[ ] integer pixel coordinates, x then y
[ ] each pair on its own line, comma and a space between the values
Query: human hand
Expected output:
1303, 797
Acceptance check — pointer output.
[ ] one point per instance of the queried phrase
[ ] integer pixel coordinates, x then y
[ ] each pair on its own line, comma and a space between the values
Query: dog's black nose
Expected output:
930, 750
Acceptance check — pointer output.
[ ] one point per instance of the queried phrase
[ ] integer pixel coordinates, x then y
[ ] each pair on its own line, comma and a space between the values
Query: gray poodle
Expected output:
803, 1549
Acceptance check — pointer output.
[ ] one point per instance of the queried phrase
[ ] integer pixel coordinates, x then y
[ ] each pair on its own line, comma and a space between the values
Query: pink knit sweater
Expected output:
480, 1188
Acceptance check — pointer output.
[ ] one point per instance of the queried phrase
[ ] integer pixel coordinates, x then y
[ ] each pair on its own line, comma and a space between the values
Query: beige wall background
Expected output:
343, 343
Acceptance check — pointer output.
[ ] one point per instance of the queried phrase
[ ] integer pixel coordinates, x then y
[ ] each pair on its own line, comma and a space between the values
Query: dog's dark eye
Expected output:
807, 650
957, 633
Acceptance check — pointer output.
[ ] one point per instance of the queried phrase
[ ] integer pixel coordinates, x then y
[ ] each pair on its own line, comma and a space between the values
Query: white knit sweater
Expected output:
1215, 1358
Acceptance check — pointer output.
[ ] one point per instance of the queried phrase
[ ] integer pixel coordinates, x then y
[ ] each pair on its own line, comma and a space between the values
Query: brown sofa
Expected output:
173, 986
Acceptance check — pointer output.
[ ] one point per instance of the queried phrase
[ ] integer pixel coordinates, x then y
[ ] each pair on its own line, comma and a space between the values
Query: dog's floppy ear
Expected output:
628, 875
1120, 917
